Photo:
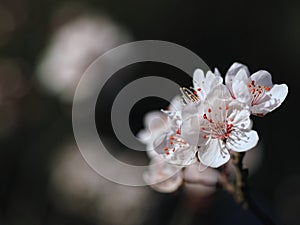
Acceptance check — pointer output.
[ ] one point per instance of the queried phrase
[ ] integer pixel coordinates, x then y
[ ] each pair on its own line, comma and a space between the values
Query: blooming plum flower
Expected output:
163, 176
256, 91
225, 127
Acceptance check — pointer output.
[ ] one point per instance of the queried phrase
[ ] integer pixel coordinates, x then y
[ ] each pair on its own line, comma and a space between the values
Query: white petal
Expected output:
155, 119
218, 76
277, 95
241, 118
160, 143
155, 124
205, 82
176, 103
217, 101
279, 91
198, 78
242, 141
213, 154
219, 93
190, 124
265, 107
183, 156
262, 77
212, 80
240, 89
217, 72
162, 176
233, 70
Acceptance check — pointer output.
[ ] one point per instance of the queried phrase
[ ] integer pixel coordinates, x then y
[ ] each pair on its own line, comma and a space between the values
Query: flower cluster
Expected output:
210, 121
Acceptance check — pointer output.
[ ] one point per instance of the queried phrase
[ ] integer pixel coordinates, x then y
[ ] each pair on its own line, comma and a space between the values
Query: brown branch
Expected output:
241, 184
242, 193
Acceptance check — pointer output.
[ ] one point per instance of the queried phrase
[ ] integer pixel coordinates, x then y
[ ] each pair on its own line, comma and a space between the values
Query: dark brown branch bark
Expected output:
242, 192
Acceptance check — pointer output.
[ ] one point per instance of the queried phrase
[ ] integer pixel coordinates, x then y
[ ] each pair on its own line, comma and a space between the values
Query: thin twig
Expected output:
242, 193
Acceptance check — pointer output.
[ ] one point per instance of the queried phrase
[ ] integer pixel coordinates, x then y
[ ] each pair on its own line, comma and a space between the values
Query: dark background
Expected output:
34, 124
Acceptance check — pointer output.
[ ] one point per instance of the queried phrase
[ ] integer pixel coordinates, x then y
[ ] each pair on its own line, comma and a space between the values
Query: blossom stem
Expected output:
242, 193
241, 179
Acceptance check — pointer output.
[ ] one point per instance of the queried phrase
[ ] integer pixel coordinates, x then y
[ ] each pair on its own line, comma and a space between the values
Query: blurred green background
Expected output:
45, 47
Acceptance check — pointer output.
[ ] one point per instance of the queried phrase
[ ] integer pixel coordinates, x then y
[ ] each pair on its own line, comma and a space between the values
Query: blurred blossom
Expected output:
13, 15
72, 48
13, 86
76, 188
163, 177
201, 180
7, 24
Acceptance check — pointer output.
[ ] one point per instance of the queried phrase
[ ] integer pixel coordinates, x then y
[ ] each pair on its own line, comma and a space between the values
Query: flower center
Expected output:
217, 128
258, 92
174, 142
189, 95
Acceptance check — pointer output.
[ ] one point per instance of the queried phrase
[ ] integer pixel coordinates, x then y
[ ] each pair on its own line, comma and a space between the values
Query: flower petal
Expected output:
198, 78
176, 103
233, 70
205, 82
182, 156
262, 77
217, 73
162, 176
191, 123
214, 154
240, 118
242, 141
160, 143
277, 95
155, 123
239, 87
279, 91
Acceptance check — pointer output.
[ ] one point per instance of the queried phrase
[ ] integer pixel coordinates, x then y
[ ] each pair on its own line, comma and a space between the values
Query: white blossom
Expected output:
163, 176
225, 127
256, 91
209, 122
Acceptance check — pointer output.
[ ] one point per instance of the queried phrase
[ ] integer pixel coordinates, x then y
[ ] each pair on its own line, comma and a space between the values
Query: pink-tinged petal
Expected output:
214, 154
162, 176
262, 77
240, 89
242, 141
